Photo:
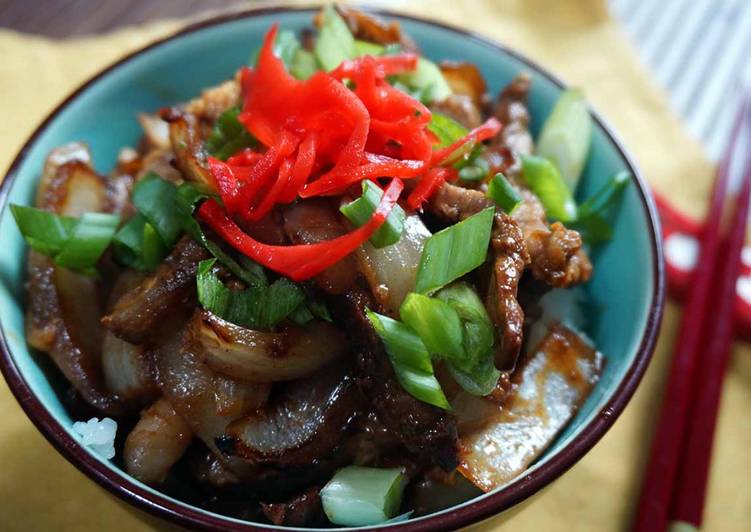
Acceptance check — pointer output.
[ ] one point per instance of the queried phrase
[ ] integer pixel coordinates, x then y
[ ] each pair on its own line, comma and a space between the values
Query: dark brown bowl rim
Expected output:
518, 491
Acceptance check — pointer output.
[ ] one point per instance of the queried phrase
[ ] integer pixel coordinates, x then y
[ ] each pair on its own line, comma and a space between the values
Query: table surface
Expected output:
70, 18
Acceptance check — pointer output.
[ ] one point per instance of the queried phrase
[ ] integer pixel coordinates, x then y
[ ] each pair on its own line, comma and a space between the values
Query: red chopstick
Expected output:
667, 444
689, 495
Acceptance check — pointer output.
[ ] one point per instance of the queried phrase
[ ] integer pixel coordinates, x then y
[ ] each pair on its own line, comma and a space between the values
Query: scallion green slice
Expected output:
89, 238
476, 373
436, 323
303, 65
503, 193
228, 136
565, 136
546, 182
363, 496
410, 359
592, 215
367, 48
361, 210
446, 129
73, 243
44, 231
428, 79
335, 42
260, 308
154, 198
454, 252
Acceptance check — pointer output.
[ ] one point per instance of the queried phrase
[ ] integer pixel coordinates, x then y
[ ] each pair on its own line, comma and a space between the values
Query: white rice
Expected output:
99, 436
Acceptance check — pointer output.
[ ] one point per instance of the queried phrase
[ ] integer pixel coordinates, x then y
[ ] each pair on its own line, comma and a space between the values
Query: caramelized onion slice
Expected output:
465, 78
550, 387
156, 443
256, 356
304, 422
391, 271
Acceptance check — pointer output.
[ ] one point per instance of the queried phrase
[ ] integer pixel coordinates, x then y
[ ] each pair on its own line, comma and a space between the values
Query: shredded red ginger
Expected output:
322, 137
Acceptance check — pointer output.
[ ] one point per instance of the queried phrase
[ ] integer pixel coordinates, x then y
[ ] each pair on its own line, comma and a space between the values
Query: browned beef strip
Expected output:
452, 203
140, 312
315, 220
301, 510
372, 29
465, 79
427, 431
461, 108
511, 110
555, 252
510, 257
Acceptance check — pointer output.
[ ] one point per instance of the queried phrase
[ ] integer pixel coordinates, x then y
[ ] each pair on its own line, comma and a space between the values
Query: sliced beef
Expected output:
425, 430
316, 220
515, 139
301, 510
460, 108
369, 28
465, 79
171, 288
215, 100
510, 257
555, 252
452, 203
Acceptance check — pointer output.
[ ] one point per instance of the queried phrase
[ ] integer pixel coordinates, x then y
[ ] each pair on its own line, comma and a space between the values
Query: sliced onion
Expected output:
549, 387
391, 271
305, 420
155, 129
255, 356
156, 443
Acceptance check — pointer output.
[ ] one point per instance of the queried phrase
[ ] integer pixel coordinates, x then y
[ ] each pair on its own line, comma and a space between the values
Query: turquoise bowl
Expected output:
625, 296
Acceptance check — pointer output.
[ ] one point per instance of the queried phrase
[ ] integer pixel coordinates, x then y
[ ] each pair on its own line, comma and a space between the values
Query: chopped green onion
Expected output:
260, 308
44, 231
286, 46
228, 136
454, 252
137, 245
604, 199
303, 65
427, 77
410, 359
361, 210
436, 323
73, 243
188, 195
302, 315
565, 136
476, 373
446, 129
363, 496
591, 219
89, 238
335, 42
546, 182
476, 171
367, 48
154, 198
503, 193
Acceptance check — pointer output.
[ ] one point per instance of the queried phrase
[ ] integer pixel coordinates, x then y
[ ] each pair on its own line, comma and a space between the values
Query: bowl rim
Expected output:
519, 490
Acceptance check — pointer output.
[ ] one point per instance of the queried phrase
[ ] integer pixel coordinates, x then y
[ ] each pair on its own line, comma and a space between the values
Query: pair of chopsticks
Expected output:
674, 486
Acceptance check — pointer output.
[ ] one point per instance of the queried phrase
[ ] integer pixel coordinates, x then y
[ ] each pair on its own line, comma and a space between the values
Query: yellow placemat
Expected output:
39, 490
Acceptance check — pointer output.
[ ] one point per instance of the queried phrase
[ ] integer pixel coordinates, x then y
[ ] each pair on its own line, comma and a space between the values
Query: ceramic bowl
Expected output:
625, 296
